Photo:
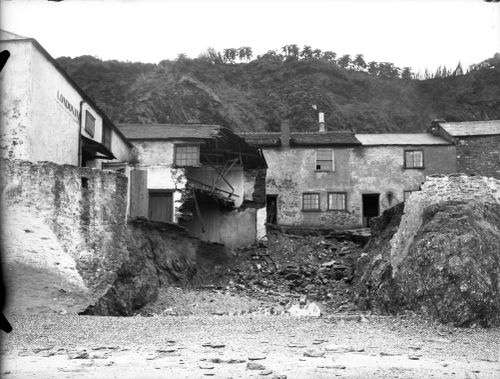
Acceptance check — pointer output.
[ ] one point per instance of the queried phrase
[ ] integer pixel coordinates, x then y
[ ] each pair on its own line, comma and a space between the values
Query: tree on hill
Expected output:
373, 68
344, 61
359, 62
406, 73
329, 56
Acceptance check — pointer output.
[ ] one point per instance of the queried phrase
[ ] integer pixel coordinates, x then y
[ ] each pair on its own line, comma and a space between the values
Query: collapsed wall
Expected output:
67, 247
443, 259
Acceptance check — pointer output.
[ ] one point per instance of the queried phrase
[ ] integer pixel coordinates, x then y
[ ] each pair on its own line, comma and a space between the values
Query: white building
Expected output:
46, 116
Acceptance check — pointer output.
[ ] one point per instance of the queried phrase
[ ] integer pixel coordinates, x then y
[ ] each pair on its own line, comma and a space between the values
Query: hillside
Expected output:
252, 96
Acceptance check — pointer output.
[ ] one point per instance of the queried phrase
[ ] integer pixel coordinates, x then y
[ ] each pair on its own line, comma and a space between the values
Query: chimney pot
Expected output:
285, 133
321, 122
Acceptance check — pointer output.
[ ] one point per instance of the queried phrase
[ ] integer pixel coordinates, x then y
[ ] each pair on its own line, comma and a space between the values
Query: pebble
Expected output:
314, 353
257, 357
255, 366
266, 372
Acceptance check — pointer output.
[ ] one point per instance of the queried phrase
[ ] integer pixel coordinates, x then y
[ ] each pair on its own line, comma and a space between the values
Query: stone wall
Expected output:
479, 155
66, 244
438, 189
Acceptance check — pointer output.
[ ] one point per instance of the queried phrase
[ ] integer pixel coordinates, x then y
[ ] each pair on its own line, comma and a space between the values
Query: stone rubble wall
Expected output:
66, 243
438, 189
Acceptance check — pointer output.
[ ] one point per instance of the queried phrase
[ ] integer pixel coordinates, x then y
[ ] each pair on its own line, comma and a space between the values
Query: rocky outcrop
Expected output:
441, 257
157, 254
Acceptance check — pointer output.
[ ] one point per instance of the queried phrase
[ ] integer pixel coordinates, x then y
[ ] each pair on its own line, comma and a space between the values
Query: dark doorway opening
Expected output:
371, 207
272, 209
161, 206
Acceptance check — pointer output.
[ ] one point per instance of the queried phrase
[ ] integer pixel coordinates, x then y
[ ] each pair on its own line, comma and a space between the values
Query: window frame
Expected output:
406, 161
323, 160
180, 145
110, 131
89, 128
337, 209
311, 209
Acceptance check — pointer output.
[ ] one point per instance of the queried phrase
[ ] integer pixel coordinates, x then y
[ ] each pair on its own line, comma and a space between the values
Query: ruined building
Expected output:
203, 177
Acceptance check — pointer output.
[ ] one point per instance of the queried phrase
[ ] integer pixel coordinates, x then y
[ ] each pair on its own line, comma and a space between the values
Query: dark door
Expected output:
272, 209
161, 206
371, 207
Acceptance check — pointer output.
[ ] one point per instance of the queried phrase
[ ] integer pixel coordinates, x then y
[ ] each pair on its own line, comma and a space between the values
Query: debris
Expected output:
266, 372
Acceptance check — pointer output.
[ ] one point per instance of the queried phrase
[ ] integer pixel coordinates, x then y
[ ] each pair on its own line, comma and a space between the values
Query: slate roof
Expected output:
273, 139
169, 131
400, 139
471, 128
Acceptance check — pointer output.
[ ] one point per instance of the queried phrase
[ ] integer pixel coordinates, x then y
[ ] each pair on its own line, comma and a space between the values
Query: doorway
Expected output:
371, 207
272, 209
161, 206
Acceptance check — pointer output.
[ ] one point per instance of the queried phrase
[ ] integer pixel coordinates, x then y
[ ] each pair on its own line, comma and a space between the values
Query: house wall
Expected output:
15, 102
380, 169
291, 172
359, 170
41, 111
479, 155
156, 158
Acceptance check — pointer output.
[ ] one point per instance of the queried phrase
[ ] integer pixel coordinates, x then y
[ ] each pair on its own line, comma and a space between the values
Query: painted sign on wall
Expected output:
68, 106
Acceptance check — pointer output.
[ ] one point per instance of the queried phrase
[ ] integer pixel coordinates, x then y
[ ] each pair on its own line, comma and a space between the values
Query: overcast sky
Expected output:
415, 33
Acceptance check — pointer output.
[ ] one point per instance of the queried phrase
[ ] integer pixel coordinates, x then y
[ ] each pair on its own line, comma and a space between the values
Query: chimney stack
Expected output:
321, 121
285, 133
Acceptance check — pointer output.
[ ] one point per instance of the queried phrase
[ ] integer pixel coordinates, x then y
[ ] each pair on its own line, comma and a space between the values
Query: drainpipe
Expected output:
80, 135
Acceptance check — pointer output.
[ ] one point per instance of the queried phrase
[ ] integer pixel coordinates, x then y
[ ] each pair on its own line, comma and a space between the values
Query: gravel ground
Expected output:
69, 346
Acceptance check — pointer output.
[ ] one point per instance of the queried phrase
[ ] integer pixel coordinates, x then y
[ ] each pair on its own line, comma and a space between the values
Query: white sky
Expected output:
415, 33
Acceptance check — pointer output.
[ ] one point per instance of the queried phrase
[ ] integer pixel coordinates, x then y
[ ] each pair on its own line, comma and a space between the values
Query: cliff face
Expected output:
254, 96
440, 257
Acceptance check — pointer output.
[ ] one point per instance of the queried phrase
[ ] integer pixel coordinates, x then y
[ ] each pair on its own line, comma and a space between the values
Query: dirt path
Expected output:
68, 346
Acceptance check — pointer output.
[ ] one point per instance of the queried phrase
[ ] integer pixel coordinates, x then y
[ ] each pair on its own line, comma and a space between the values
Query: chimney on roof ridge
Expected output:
434, 129
285, 133
321, 122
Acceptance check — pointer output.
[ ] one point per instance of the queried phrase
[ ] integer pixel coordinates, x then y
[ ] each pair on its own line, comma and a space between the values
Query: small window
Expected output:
310, 202
106, 136
324, 160
187, 155
89, 123
414, 159
337, 201
406, 195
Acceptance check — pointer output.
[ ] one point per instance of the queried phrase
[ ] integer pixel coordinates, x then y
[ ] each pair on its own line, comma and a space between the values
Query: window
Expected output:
89, 123
337, 201
106, 136
187, 155
324, 160
414, 159
406, 195
310, 202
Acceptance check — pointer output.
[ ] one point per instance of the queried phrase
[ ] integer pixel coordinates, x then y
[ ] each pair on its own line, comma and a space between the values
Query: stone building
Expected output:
341, 180
203, 177
46, 116
477, 144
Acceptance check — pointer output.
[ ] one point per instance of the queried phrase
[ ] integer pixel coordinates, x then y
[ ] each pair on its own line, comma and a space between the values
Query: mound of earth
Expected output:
450, 271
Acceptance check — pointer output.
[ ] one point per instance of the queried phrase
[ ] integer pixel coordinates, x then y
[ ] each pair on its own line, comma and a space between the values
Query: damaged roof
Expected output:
400, 139
471, 128
217, 140
273, 139
169, 131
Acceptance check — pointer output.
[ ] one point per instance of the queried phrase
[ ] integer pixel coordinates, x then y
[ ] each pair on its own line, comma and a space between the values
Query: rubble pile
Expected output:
319, 268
